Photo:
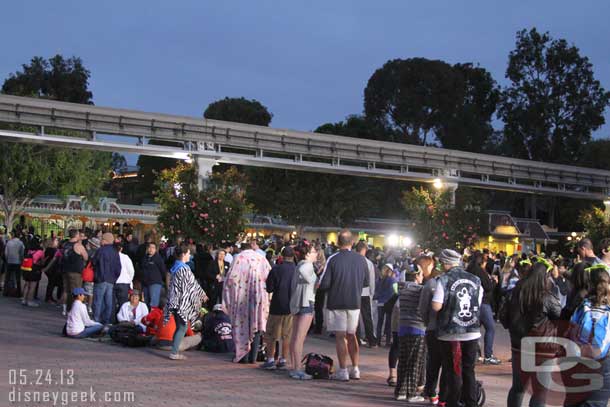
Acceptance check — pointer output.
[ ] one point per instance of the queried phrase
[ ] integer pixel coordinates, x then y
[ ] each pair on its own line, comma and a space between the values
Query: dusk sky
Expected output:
308, 62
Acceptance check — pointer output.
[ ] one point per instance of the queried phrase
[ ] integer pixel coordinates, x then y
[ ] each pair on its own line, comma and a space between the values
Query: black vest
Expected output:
460, 312
72, 262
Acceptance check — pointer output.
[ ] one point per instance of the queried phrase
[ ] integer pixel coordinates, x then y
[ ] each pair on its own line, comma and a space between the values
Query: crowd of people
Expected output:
261, 299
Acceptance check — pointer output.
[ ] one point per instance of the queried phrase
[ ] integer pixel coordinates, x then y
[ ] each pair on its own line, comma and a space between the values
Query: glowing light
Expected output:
407, 241
393, 240
573, 234
437, 183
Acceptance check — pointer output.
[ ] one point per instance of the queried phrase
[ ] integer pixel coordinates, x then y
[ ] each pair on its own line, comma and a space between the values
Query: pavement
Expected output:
34, 354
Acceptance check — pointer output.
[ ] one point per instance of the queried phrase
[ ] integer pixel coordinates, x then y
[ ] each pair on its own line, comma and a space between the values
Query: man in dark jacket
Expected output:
153, 274
107, 268
279, 324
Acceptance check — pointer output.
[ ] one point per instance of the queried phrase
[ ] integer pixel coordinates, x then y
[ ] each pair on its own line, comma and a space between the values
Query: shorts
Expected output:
306, 310
88, 288
279, 327
343, 320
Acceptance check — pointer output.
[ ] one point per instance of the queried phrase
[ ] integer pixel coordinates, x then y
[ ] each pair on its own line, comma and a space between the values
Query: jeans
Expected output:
12, 279
179, 334
487, 320
102, 302
89, 331
394, 351
319, 305
152, 293
121, 295
433, 364
381, 316
599, 398
459, 387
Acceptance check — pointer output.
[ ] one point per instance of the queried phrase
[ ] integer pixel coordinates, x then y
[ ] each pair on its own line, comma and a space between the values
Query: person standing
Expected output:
477, 267
302, 309
184, 298
279, 323
73, 262
153, 274
457, 300
345, 275
52, 258
214, 275
107, 269
366, 306
125, 281
14, 252
247, 302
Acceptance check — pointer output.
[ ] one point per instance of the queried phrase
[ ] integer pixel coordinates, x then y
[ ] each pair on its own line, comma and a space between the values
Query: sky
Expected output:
307, 61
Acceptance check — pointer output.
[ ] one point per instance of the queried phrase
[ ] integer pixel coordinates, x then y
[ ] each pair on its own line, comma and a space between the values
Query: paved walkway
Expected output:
30, 340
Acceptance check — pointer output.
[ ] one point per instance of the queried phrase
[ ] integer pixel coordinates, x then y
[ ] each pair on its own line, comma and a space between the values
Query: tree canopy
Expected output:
429, 101
247, 111
553, 102
30, 170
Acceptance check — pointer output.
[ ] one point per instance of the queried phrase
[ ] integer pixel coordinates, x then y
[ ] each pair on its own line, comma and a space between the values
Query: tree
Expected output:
428, 101
554, 101
150, 166
437, 223
30, 170
595, 223
240, 110
596, 154
213, 214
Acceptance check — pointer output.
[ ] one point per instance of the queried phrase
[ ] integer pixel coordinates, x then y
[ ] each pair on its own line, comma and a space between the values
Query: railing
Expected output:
263, 146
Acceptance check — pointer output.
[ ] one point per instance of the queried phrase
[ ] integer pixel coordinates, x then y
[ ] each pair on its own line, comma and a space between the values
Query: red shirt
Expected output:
154, 325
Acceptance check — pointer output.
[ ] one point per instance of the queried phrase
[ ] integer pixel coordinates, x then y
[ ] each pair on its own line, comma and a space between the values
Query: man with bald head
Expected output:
345, 274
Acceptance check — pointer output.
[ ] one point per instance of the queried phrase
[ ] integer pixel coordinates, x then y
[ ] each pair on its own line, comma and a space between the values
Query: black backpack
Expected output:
318, 366
127, 334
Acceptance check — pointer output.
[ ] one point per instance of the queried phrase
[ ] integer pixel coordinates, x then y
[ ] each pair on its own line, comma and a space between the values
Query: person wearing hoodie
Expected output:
107, 269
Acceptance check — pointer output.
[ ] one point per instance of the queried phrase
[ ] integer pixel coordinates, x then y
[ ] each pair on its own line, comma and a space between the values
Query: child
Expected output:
79, 325
411, 333
217, 332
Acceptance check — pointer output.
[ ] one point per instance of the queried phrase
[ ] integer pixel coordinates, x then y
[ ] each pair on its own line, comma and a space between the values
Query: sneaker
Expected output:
269, 365
177, 356
400, 397
492, 361
33, 304
340, 375
281, 365
300, 375
433, 400
23, 301
354, 373
416, 399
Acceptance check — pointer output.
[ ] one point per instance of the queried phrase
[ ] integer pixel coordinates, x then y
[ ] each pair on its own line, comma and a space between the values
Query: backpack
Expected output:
127, 334
318, 366
592, 328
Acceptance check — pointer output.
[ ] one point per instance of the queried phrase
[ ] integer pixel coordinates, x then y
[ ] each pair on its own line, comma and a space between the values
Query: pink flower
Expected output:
204, 215
205, 229
193, 204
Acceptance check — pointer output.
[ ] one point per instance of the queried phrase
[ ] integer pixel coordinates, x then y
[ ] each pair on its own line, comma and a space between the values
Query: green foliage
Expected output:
596, 224
213, 214
239, 110
553, 103
429, 100
150, 166
596, 154
439, 225
30, 170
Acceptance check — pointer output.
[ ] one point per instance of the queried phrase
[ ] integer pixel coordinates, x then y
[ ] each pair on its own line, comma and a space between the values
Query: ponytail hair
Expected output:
600, 286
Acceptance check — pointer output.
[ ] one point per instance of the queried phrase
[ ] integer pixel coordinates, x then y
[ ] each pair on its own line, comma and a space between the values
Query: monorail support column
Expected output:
204, 169
451, 188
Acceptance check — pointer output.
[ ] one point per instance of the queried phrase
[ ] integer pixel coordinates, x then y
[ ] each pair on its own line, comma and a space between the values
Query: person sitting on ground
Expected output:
163, 333
79, 325
217, 332
133, 311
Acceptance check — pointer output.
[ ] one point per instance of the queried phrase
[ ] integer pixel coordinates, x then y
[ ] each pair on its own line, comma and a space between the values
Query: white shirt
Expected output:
228, 257
78, 319
127, 271
439, 297
126, 313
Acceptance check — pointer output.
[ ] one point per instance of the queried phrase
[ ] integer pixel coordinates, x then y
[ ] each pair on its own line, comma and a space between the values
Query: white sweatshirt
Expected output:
78, 319
126, 313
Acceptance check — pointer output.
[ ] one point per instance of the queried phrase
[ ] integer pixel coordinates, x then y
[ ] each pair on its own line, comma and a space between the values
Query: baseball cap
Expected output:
78, 291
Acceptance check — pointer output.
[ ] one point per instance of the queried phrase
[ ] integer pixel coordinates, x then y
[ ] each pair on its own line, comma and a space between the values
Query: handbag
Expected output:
318, 366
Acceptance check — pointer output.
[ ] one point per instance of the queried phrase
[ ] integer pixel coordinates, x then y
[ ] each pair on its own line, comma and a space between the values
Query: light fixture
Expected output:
393, 240
407, 241
569, 238
573, 234
437, 183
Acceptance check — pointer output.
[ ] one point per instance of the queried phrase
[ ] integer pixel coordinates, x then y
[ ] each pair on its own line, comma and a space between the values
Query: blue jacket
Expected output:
106, 264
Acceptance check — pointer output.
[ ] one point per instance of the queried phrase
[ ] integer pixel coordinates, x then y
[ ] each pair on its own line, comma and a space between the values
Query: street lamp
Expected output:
437, 183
